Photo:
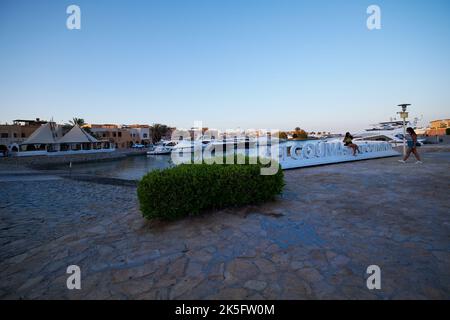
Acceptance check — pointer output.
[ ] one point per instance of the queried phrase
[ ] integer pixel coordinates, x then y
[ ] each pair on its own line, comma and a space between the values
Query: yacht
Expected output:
235, 142
163, 147
391, 131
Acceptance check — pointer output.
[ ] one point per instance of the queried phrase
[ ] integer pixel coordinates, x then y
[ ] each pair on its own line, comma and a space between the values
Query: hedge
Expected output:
189, 189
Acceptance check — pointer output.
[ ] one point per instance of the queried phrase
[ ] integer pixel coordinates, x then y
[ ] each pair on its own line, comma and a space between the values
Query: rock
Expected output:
330, 255
265, 266
297, 265
30, 283
217, 272
340, 260
255, 285
194, 269
177, 268
230, 294
311, 275
183, 286
242, 269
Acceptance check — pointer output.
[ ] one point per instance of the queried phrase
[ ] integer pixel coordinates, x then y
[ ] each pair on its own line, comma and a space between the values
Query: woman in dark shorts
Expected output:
412, 146
348, 142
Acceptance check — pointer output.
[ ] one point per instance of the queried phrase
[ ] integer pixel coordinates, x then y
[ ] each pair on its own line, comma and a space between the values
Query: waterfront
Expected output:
130, 168
315, 241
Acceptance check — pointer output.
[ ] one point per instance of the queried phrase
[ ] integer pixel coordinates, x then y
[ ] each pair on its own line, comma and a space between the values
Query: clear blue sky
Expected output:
247, 63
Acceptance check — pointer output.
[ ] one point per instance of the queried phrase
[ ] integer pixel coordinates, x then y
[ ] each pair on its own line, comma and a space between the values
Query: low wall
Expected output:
59, 153
44, 161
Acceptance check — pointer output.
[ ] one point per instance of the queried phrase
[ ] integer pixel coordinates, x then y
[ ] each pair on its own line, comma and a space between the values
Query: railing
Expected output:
8, 141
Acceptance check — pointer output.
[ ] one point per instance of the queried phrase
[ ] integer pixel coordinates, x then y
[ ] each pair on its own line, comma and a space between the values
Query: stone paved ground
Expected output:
314, 242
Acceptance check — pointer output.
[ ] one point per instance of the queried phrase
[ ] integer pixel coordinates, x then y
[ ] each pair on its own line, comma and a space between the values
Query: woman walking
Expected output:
411, 139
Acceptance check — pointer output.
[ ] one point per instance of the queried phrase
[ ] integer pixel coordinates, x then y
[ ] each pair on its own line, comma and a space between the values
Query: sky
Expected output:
274, 64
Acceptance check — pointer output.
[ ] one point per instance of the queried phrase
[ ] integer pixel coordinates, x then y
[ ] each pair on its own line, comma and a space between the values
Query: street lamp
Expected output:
404, 115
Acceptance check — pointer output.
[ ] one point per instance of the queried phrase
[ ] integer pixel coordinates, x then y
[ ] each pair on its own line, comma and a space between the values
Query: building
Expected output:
48, 140
123, 136
140, 133
438, 127
12, 135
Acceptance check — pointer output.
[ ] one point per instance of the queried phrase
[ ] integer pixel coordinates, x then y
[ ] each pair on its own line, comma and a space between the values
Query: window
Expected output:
4, 135
120, 134
114, 134
15, 135
22, 135
145, 135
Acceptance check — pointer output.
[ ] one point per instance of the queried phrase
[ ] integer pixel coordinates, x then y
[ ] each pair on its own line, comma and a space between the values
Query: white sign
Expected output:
297, 154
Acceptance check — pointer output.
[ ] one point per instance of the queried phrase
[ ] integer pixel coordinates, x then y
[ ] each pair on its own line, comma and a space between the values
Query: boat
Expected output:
390, 131
163, 147
234, 143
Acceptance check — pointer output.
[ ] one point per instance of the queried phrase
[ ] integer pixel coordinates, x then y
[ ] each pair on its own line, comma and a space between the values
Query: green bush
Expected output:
447, 131
188, 189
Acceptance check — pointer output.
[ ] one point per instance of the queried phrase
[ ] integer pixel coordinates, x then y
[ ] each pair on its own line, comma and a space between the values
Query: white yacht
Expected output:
245, 142
163, 147
391, 131
167, 147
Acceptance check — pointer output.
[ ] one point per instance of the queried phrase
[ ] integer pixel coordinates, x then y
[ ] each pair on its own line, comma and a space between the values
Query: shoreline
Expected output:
57, 162
39, 164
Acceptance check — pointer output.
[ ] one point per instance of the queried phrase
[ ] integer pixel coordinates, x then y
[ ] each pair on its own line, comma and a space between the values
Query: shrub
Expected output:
189, 189
447, 131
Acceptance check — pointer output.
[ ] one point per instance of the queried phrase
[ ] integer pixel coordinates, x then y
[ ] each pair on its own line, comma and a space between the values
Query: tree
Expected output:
299, 134
158, 131
77, 121
282, 135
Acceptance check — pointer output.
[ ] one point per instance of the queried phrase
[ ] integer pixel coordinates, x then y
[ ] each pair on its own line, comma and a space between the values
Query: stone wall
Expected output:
42, 162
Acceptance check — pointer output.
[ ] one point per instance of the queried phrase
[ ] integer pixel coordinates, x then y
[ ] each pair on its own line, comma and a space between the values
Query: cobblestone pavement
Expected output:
314, 242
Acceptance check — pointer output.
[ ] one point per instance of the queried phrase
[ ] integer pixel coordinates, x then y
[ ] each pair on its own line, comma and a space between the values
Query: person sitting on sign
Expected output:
348, 142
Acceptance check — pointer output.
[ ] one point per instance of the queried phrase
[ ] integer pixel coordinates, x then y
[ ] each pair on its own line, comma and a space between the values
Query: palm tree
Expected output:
77, 121
158, 131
